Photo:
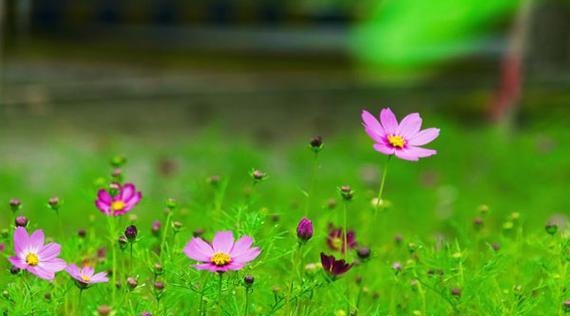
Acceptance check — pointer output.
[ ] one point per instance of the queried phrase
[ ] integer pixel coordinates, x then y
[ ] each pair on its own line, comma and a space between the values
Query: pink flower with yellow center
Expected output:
86, 275
403, 139
223, 254
126, 198
35, 257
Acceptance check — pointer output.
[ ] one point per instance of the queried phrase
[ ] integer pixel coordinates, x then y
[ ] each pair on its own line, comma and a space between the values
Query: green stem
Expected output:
79, 301
344, 246
111, 222
163, 242
312, 183
382, 181
246, 301
221, 274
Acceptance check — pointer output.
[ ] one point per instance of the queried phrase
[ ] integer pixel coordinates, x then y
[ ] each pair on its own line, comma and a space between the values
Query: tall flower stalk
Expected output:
316, 145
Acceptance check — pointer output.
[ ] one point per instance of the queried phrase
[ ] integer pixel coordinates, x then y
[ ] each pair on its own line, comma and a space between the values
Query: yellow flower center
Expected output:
118, 205
32, 259
396, 141
85, 278
220, 259
337, 242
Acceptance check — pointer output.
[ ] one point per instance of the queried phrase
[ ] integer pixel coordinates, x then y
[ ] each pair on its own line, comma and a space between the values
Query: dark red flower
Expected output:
333, 267
335, 239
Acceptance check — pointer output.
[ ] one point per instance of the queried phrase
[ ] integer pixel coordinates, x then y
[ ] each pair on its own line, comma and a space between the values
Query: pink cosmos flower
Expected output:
86, 275
224, 254
35, 257
404, 139
120, 204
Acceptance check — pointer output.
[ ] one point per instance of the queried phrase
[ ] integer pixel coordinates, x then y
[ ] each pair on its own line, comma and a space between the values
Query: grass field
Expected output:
463, 232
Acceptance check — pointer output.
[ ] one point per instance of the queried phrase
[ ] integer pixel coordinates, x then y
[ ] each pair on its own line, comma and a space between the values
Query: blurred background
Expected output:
176, 85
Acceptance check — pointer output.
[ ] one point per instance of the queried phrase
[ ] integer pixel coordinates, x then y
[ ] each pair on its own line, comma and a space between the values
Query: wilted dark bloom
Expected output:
346, 192
81, 233
21, 221
104, 310
363, 252
14, 270
456, 291
132, 283
316, 143
198, 232
248, 279
155, 228
15, 204
305, 229
335, 239
551, 228
159, 286
47, 296
333, 267
131, 233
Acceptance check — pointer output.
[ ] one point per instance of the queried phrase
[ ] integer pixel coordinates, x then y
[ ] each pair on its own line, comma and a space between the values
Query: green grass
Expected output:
432, 205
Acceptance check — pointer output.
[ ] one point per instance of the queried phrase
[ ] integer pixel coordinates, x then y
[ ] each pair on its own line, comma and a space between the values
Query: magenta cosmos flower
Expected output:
335, 239
404, 139
35, 257
333, 267
86, 276
119, 204
223, 254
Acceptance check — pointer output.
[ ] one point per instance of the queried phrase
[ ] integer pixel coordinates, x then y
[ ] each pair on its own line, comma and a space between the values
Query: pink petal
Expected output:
49, 251
422, 152
242, 245
87, 271
54, 265
134, 200
73, 270
104, 196
371, 124
410, 125
383, 148
37, 240
99, 278
424, 137
247, 256
18, 262
223, 241
235, 266
127, 192
103, 207
41, 272
198, 250
389, 121
208, 266
406, 155
21, 240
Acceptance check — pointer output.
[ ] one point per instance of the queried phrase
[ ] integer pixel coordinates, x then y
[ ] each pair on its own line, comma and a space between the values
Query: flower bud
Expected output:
131, 233
54, 203
363, 253
331, 204
248, 280
155, 228
132, 283
171, 204
159, 286
47, 296
316, 143
21, 221
118, 161
496, 246
177, 226
214, 180
81, 233
346, 192
146, 314
305, 229
397, 266
104, 310
198, 232
258, 175
456, 292
566, 305
158, 269
551, 228
478, 223
15, 205
14, 270
6, 294
123, 242
117, 172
